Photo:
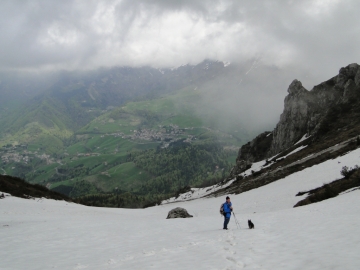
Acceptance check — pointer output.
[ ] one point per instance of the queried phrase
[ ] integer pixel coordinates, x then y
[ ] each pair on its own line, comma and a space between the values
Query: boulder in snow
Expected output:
178, 212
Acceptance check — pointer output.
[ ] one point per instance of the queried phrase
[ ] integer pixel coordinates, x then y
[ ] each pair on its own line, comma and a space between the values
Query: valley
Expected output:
101, 161
113, 153
149, 148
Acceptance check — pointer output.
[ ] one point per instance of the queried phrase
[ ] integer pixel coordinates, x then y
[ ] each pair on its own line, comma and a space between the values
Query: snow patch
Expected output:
61, 235
295, 150
226, 64
303, 138
196, 193
258, 166
255, 167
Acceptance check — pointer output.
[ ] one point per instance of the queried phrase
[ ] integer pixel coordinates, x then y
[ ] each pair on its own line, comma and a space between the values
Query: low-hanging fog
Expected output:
269, 42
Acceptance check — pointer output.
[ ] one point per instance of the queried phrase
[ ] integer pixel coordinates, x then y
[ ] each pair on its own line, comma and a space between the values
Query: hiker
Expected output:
227, 212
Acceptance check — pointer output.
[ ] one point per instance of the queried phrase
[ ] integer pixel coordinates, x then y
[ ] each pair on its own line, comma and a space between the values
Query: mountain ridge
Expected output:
305, 111
81, 97
316, 126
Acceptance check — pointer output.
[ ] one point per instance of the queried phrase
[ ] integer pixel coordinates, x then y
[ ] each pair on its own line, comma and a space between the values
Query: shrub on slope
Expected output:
332, 189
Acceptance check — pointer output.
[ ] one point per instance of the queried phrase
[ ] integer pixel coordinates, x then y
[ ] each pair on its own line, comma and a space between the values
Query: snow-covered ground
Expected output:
196, 193
48, 234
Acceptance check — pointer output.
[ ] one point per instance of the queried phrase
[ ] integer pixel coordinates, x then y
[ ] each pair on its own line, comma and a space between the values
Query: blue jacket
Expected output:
227, 209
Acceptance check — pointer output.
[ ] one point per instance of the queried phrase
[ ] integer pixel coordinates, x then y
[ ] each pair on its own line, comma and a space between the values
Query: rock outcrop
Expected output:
255, 150
304, 113
178, 212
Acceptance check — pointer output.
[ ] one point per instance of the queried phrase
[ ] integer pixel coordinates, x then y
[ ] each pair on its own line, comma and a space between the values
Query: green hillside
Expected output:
185, 110
149, 148
43, 125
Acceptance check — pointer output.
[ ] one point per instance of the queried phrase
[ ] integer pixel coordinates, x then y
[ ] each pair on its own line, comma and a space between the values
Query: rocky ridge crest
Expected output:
305, 112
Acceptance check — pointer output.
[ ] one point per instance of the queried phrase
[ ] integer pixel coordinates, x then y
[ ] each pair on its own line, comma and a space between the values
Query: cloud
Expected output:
87, 34
308, 40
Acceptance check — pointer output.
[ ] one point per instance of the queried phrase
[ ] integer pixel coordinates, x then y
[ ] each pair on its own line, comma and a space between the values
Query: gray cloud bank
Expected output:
307, 39
87, 34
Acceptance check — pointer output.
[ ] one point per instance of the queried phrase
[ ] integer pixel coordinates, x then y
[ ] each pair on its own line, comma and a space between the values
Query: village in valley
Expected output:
164, 134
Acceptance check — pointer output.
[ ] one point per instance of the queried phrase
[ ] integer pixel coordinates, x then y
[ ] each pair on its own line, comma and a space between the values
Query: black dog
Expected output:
251, 225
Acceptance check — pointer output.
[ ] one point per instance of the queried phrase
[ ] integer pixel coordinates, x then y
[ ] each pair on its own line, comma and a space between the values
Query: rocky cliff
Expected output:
305, 113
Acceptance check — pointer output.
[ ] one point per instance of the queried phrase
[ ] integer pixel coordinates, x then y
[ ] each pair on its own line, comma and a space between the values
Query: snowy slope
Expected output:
47, 234
196, 193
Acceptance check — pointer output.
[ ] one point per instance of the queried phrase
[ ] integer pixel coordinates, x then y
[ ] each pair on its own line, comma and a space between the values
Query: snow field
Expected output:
47, 234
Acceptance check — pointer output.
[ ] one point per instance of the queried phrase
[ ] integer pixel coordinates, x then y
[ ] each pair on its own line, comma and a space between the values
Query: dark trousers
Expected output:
226, 222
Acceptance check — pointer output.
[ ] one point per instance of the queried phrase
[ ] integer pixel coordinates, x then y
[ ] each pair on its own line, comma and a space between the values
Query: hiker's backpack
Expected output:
222, 209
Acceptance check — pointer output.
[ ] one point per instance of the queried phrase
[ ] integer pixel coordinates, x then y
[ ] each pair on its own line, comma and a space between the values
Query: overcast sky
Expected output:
85, 34
273, 42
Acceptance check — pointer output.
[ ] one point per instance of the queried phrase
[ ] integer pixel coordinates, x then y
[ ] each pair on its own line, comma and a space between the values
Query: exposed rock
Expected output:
253, 151
257, 148
178, 212
304, 110
357, 77
293, 121
350, 90
296, 88
303, 114
346, 73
